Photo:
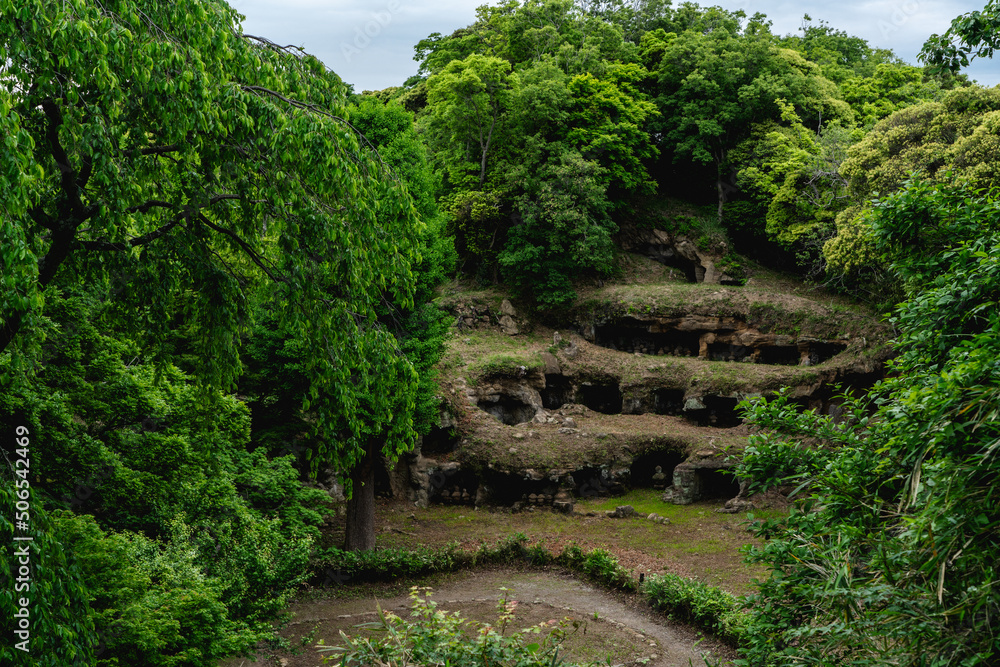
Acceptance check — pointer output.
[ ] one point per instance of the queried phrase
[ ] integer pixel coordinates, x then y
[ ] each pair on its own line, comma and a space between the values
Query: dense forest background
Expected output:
219, 265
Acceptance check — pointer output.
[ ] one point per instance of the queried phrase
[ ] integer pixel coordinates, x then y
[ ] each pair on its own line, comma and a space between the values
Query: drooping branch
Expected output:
104, 246
74, 210
314, 108
251, 253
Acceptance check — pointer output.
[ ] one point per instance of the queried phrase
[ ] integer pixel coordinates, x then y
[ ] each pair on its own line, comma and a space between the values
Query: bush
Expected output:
436, 638
150, 603
600, 566
338, 566
707, 607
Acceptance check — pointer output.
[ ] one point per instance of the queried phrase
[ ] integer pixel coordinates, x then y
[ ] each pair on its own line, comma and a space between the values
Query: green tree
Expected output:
889, 557
954, 139
713, 87
276, 382
158, 147
564, 231
972, 35
468, 102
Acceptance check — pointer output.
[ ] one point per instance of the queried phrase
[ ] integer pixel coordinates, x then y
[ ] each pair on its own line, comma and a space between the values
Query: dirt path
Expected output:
609, 627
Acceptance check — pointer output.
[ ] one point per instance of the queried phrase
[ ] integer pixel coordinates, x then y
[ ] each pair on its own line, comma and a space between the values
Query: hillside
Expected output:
643, 372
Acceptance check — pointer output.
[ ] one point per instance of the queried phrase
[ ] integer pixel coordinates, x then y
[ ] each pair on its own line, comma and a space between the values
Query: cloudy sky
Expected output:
369, 43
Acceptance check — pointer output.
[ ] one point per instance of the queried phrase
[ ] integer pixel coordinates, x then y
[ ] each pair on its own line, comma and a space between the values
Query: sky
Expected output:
369, 43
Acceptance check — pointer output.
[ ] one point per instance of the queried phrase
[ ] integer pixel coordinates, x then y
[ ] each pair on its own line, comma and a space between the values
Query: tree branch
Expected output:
160, 150
251, 253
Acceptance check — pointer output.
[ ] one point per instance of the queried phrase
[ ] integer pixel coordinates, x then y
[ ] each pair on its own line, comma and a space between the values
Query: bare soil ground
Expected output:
699, 543
601, 626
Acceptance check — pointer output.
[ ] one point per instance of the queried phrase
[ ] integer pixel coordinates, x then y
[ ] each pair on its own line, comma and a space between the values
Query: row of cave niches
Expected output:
631, 338
461, 487
607, 398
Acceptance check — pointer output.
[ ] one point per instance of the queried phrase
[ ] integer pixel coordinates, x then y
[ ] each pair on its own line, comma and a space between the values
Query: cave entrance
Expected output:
668, 256
717, 484
727, 352
779, 355
509, 410
557, 393
603, 398
644, 467
454, 487
507, 489
592, 483
634, 336
439, 441
719, 411
820, 351
668, 401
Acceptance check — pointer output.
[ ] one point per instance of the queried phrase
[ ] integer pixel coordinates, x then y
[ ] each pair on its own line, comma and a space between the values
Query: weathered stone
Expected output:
659, 478
509, 326
623, 512
551, 364
693, 403
507, 308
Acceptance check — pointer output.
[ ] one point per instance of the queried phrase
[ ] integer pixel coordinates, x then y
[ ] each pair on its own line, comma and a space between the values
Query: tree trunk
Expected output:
722, 196
360, 533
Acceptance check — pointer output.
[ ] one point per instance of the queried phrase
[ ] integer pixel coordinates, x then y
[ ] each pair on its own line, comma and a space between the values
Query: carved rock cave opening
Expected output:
717, 484
509, 410
718, 411
643, 467
557, 393
633, 336
604, 398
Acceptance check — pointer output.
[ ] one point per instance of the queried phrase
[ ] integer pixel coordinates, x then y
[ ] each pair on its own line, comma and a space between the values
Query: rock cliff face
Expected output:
635, 378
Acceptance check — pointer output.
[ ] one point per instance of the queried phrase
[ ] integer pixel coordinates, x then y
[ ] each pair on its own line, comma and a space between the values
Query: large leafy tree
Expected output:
155, 146
956, 138
891, 556
545, 91
275, 381
468, 101
713, 86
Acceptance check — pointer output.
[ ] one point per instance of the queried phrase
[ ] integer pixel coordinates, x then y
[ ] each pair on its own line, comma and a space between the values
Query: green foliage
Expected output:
387, 564
954, 140
151, 603
970, 36
501, 365
891, 557
599, 565
713, 87
436, 637
193, 544
186, 166
564, 232
841, 56
467, 102
540, 128
709, 608
392, 564
60, 628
